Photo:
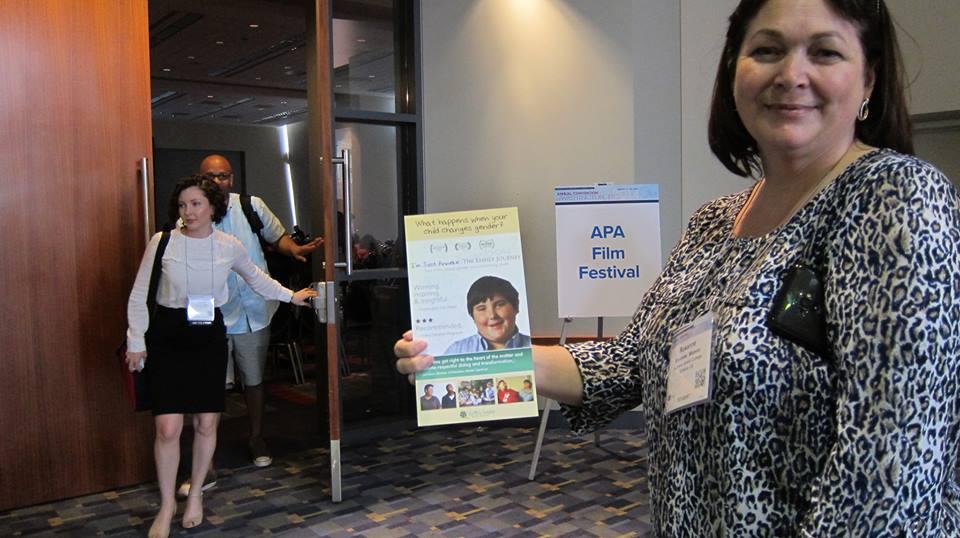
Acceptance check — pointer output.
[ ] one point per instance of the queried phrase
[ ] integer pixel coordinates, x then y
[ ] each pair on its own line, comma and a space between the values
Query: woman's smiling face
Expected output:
800, 78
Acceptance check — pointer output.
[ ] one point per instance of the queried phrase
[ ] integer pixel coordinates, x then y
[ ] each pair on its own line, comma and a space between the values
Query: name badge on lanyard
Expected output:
200, 309
690, 377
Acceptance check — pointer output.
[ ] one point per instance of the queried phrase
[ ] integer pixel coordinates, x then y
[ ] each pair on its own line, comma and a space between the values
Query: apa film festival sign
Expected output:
608, 247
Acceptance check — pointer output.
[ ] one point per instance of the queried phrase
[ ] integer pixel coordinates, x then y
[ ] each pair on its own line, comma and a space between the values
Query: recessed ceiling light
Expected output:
219, 42
283, 102
361, 40
254, 26
166, 69
371, 76
209, 97
259, 78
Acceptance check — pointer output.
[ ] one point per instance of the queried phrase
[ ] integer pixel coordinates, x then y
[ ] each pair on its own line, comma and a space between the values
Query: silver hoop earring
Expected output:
864, 112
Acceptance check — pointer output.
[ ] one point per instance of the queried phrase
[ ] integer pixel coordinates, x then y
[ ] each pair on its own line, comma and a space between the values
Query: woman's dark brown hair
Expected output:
888, 125
218, 200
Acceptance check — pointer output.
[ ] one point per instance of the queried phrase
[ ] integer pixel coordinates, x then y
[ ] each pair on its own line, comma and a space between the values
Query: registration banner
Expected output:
468, 300
608, 247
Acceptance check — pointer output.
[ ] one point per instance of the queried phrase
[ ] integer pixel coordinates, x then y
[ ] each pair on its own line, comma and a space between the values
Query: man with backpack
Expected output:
247, 315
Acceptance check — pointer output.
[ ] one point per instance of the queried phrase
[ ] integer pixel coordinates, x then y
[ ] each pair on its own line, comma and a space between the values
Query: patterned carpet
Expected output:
463, 481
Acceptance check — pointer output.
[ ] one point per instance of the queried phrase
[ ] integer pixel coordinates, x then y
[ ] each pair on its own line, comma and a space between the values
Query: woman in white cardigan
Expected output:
184, 341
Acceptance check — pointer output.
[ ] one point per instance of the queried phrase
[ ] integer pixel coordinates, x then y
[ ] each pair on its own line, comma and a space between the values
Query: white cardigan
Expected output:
204, 265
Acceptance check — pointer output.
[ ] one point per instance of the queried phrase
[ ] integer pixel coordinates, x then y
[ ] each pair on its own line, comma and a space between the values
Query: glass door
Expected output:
370, 181
376, 131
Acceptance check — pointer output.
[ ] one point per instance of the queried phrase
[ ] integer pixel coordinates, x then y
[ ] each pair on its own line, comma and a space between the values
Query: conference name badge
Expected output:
690, 375
200, 309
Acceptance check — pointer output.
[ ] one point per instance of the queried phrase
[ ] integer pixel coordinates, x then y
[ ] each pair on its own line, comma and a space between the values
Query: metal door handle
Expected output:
147, 206
325, 302
344, 161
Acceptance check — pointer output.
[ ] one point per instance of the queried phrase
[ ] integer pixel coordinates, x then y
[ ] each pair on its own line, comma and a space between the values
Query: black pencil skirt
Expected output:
187, 364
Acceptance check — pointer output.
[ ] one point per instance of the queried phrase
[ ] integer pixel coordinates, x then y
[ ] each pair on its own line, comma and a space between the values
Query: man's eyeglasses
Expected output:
218, 177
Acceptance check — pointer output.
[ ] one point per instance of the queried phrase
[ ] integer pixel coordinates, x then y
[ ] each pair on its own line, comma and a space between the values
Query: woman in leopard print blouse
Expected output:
859, 438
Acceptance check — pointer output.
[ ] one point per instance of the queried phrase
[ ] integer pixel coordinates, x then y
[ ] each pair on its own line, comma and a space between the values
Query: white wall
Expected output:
657, 126
522, 96
929, 39
299, 141
940, 146
703, 24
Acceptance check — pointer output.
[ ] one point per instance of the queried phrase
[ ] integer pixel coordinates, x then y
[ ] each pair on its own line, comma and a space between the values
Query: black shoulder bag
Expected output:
138, 390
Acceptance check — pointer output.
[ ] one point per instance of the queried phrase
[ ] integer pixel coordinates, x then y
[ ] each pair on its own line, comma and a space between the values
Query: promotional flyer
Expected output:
468, 300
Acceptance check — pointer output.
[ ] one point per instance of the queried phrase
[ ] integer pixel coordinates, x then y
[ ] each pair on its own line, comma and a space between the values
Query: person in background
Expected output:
449, 400
246, 314
505, 394
464, 395
819, 309
429, 402
489, 395
526, 393
183, 341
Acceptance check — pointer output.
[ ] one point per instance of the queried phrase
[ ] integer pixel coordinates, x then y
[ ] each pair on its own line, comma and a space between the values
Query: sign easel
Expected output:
548, 403
608, 248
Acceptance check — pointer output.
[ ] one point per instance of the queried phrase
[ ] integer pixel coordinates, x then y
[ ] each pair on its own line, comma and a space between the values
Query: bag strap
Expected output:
252, 218
155, 272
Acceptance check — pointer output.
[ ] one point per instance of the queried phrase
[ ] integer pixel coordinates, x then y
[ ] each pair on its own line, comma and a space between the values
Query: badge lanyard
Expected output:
710, 278
762, 253
201, 309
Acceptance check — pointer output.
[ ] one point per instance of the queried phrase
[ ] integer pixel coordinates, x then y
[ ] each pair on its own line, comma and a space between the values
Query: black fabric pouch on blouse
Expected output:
798, 313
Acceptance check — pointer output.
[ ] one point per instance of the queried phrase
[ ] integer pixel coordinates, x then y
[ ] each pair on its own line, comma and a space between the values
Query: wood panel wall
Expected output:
74, 122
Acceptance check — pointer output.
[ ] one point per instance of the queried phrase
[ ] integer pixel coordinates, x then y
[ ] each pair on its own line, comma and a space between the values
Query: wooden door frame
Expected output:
320, 104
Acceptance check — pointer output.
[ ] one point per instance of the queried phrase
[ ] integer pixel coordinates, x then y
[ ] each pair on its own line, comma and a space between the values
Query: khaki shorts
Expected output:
249, 353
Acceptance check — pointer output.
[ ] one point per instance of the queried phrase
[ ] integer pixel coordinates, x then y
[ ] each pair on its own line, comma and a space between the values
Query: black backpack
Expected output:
256, 225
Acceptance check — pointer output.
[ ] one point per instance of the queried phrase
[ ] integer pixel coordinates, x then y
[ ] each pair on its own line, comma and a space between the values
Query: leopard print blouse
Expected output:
863, 443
